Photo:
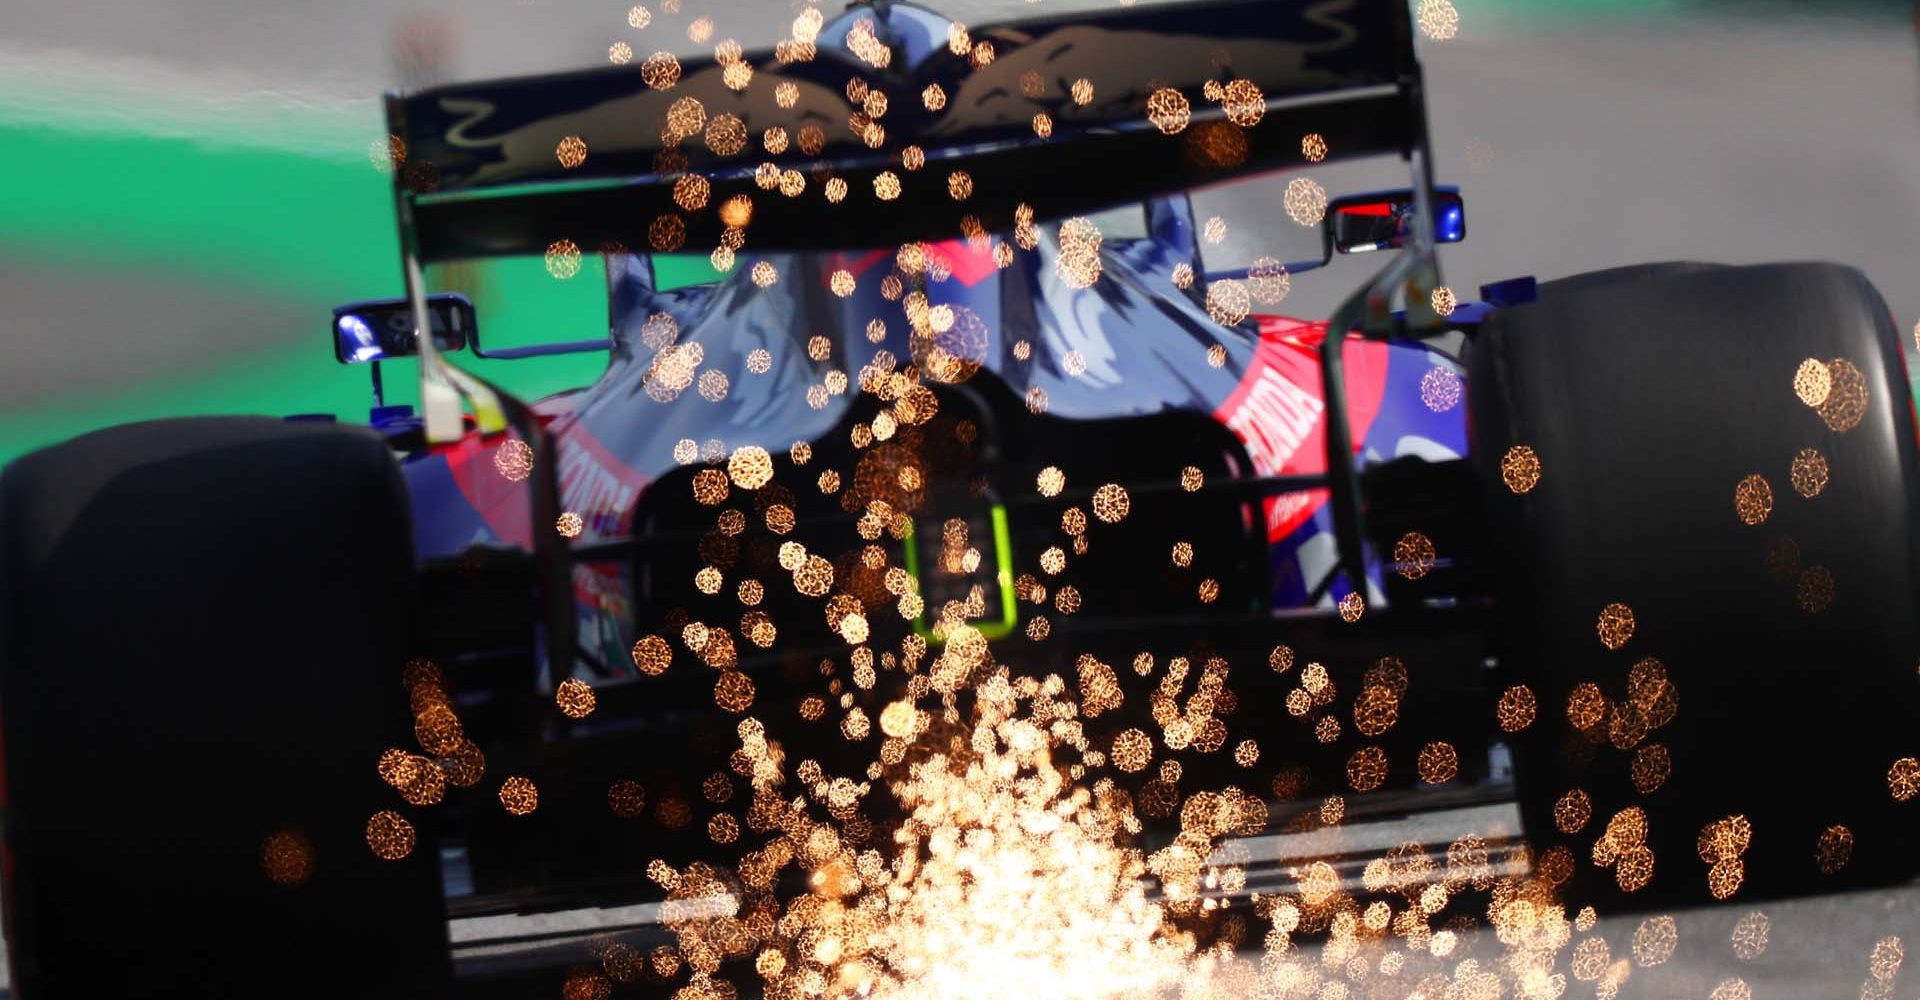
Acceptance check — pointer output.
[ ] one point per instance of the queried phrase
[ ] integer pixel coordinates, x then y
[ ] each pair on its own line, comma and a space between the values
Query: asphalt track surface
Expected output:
1753, 137
1815, 947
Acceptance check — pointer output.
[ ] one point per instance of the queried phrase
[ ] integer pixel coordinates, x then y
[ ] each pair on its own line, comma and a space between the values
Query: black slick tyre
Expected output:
1643, 446
204, 628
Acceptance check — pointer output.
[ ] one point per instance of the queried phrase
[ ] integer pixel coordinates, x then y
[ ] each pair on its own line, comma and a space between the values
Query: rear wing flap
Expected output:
484, 175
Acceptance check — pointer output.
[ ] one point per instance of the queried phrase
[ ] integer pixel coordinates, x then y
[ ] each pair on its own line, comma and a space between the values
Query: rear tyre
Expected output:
203, 636
1789, 639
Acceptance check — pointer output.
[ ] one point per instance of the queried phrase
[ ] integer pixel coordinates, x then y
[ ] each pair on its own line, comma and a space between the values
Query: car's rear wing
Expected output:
512, 166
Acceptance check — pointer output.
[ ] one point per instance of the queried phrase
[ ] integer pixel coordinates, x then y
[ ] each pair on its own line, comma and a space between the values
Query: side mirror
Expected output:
1383, 220
382, 329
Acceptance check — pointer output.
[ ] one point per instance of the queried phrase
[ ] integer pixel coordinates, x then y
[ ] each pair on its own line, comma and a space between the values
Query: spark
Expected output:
563, 259
1753, 499
1305, 201
389, 836
574, 698
1520, 469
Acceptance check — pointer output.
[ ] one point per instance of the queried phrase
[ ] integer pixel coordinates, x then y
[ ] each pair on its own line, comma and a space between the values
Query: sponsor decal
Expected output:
1279, 412
597, 486
969, 265
593, 483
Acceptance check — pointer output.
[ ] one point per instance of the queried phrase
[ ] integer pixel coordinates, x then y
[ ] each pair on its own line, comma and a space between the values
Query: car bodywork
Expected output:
1276, 417
976, 365
1135, 346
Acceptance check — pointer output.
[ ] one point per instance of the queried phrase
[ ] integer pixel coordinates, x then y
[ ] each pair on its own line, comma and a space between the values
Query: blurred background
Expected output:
186, 187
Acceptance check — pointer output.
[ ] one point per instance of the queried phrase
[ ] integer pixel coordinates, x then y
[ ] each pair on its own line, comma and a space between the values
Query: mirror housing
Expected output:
1383, 220
383, 328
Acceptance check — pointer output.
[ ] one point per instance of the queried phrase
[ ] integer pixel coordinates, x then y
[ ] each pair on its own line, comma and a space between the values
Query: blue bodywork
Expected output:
1133, 343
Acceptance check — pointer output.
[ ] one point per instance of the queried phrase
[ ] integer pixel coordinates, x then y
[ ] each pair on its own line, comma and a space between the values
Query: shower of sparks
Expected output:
1012, 879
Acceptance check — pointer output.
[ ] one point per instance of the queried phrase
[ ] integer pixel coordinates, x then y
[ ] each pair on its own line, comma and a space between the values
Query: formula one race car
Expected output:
970, 388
